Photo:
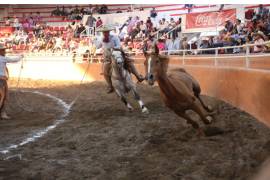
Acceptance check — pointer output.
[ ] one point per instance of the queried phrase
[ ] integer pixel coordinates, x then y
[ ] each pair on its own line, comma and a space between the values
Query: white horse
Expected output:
122, 81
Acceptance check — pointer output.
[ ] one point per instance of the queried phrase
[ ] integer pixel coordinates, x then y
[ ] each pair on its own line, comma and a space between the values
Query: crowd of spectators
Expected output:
255, 30
33, 35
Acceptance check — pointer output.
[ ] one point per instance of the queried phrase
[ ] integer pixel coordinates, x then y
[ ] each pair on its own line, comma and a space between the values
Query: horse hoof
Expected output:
209, 120
130, 109
145, 110
210, 108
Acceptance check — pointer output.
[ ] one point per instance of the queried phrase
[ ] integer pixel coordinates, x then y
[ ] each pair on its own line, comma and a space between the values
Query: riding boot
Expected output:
134, 71
109, 83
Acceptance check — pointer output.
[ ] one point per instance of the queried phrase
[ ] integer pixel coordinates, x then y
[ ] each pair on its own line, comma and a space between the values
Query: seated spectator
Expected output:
56, 12
90, 9
83, 11
258, 39
172, 45
76, 10
8, 22
118, 11
238, 27
79, 30
38, 18
63, 11
161, 44
69, 12
103, 9
96, 9
184, 43
129, 9
262, 11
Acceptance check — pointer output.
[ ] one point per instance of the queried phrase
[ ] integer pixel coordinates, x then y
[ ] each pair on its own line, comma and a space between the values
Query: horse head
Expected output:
151, 63
117, 60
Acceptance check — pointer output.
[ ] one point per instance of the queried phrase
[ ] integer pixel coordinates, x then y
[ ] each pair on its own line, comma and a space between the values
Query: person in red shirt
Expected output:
99, 22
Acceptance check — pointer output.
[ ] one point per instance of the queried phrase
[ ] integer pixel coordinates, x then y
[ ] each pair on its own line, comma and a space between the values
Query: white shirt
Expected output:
3, 63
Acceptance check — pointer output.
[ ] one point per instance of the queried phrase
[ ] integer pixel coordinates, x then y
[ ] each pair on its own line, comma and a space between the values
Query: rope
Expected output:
24, 107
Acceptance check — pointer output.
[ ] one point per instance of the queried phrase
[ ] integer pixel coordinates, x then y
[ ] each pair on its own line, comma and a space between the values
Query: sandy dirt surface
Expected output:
100, 139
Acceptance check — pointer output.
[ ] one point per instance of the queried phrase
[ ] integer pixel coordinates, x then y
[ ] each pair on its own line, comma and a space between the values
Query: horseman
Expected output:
108, 43
3, 79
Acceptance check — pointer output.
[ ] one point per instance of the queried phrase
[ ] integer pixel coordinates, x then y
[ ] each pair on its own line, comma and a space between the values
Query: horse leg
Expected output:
124, 99
204, 115
194, 124
138, 98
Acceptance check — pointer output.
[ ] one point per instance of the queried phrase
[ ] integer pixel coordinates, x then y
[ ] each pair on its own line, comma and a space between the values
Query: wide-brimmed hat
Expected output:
2, 47
105, 28
259, 34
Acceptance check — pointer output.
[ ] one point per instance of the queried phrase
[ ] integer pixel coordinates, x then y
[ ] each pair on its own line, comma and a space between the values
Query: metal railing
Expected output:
184, 55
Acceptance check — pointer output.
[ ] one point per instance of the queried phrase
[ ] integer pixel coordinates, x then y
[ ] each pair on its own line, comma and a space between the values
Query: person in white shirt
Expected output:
3, 79
258, 41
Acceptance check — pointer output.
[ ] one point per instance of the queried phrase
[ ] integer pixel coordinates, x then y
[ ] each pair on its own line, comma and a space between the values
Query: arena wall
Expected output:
247, 89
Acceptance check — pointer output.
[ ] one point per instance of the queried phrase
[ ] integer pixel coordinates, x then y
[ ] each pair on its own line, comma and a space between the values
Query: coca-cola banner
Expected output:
209, 19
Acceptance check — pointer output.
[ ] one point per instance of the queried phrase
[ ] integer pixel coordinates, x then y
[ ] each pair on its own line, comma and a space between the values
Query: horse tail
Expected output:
197, 92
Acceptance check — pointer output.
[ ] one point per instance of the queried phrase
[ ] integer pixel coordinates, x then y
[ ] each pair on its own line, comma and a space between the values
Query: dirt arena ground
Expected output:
100, 140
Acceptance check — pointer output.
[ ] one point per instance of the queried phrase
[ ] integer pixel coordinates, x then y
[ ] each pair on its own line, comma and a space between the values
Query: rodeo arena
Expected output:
135, 91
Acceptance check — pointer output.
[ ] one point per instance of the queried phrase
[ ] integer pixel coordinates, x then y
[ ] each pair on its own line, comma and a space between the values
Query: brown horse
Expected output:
179, 90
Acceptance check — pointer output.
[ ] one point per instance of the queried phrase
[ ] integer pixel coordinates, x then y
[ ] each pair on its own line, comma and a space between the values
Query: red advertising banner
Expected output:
209, 19
6, 30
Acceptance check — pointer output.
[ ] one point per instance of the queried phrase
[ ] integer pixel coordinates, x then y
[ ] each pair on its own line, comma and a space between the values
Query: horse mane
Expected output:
164, 62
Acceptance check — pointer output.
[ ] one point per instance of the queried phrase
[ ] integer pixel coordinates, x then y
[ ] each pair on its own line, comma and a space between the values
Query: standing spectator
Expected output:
99, 22
153, 15
172, 25
90, 23
221, 7
179, 28
149, 24
16, 23
189, 7
4, 77
228, 25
